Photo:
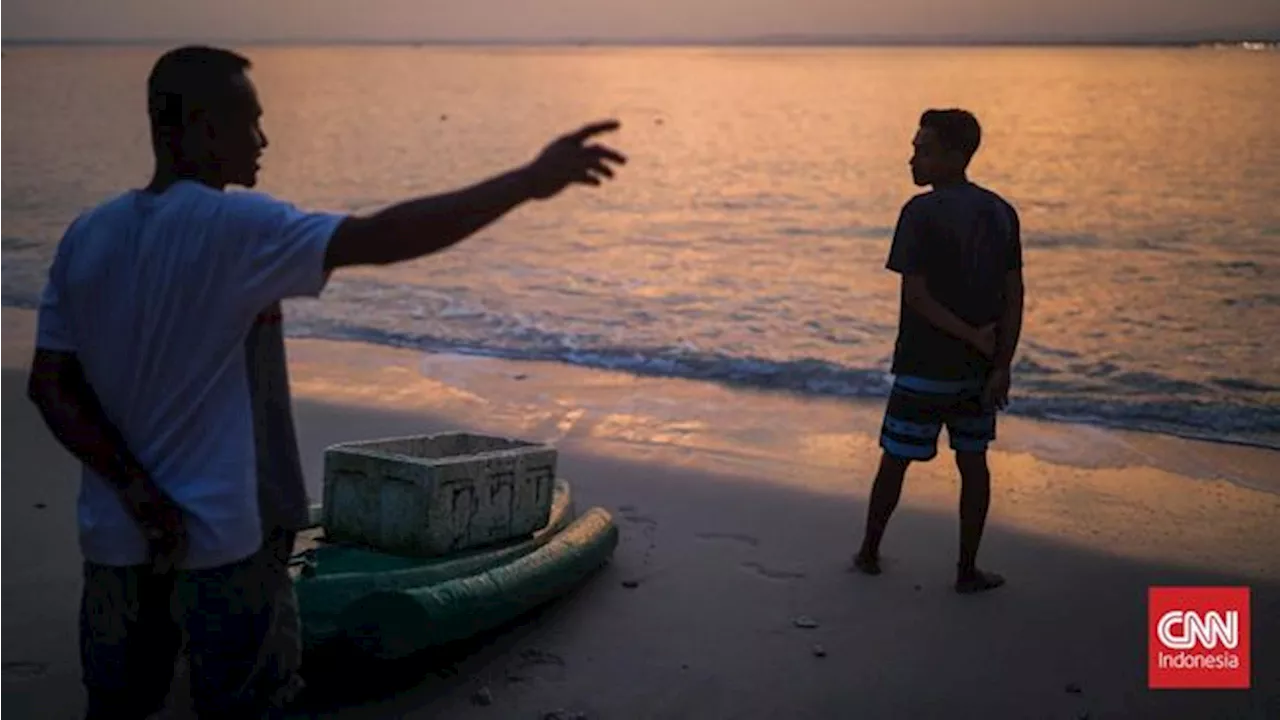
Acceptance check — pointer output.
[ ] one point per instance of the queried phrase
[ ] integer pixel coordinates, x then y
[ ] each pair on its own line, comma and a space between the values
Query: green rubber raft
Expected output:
392, 606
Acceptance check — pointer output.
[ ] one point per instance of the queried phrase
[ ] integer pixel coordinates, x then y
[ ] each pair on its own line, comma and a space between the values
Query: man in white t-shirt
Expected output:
139, 371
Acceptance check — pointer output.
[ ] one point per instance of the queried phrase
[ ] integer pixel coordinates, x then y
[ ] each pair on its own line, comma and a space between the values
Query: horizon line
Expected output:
768, 40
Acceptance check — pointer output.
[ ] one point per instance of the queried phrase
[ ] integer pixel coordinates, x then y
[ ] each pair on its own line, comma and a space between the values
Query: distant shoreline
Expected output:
1266, 40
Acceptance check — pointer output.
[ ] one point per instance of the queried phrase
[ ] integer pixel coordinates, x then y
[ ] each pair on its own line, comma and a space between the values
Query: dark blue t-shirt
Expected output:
964, 239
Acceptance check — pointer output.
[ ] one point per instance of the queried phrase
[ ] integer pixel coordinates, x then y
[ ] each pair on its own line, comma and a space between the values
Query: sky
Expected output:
248, 20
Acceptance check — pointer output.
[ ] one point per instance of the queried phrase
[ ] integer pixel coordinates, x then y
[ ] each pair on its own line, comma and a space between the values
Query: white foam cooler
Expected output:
430, 495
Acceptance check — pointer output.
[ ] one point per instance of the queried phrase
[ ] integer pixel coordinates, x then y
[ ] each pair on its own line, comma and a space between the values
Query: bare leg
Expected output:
884, 499
975, 498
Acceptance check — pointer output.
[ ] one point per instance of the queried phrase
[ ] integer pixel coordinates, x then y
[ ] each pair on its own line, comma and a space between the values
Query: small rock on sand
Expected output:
631, 584
819, 651
806, 622
482, 697
1074, 688
40, 506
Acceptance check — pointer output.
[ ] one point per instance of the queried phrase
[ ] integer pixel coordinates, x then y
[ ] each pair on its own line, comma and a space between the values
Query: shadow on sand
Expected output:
1066, 638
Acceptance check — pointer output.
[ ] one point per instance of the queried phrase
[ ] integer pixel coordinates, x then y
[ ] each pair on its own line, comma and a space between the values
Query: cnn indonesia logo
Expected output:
1198, 637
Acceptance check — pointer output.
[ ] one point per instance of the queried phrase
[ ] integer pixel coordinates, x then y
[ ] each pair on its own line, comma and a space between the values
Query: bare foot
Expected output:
867, 564
976, 581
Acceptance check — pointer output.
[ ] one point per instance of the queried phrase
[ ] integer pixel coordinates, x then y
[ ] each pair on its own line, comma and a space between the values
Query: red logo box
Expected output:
1198, 637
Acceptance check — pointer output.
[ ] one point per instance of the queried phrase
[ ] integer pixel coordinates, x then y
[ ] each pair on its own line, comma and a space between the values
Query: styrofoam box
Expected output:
431, 495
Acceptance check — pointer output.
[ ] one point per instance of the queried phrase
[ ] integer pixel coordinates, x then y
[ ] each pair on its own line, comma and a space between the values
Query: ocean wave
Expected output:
1062, 240
19, 300
1253, 301
1142, 401
1051, 383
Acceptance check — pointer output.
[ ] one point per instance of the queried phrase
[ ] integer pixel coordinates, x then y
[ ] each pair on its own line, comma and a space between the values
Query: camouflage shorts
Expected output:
281, 655
238, 623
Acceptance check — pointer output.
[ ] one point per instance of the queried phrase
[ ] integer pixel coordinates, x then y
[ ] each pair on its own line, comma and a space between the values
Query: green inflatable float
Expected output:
392, 606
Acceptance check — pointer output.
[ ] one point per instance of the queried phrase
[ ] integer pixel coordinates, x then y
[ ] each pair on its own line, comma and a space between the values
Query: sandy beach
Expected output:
739, 511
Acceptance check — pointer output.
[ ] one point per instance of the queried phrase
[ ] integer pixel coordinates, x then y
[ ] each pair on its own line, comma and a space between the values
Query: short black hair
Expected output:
186, 79
956, 129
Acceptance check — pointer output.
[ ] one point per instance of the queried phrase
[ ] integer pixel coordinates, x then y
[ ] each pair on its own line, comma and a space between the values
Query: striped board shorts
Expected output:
919, 407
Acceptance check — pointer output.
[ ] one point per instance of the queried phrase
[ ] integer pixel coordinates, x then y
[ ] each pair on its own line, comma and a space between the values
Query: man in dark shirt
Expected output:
959, 251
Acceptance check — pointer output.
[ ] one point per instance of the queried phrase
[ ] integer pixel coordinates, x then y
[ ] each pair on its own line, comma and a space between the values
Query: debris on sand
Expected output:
819, 651
806, 622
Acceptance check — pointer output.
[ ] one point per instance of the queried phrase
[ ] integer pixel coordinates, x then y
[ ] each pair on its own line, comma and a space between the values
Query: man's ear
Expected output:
198, 133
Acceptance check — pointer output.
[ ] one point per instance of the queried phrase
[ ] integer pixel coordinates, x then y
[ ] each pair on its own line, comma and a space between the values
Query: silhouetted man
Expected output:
139, 371
958, 248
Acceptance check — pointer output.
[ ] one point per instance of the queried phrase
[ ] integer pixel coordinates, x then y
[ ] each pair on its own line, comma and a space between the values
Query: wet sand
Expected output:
738, 513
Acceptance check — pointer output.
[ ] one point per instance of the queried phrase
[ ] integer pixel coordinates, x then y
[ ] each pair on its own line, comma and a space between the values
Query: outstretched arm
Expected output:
289, 253
426, 225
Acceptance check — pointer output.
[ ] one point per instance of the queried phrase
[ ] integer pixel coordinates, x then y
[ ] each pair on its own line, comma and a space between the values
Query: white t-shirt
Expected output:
155, 295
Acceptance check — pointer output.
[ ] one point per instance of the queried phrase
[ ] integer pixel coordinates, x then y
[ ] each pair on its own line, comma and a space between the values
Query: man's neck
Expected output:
166, 175
961, 179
